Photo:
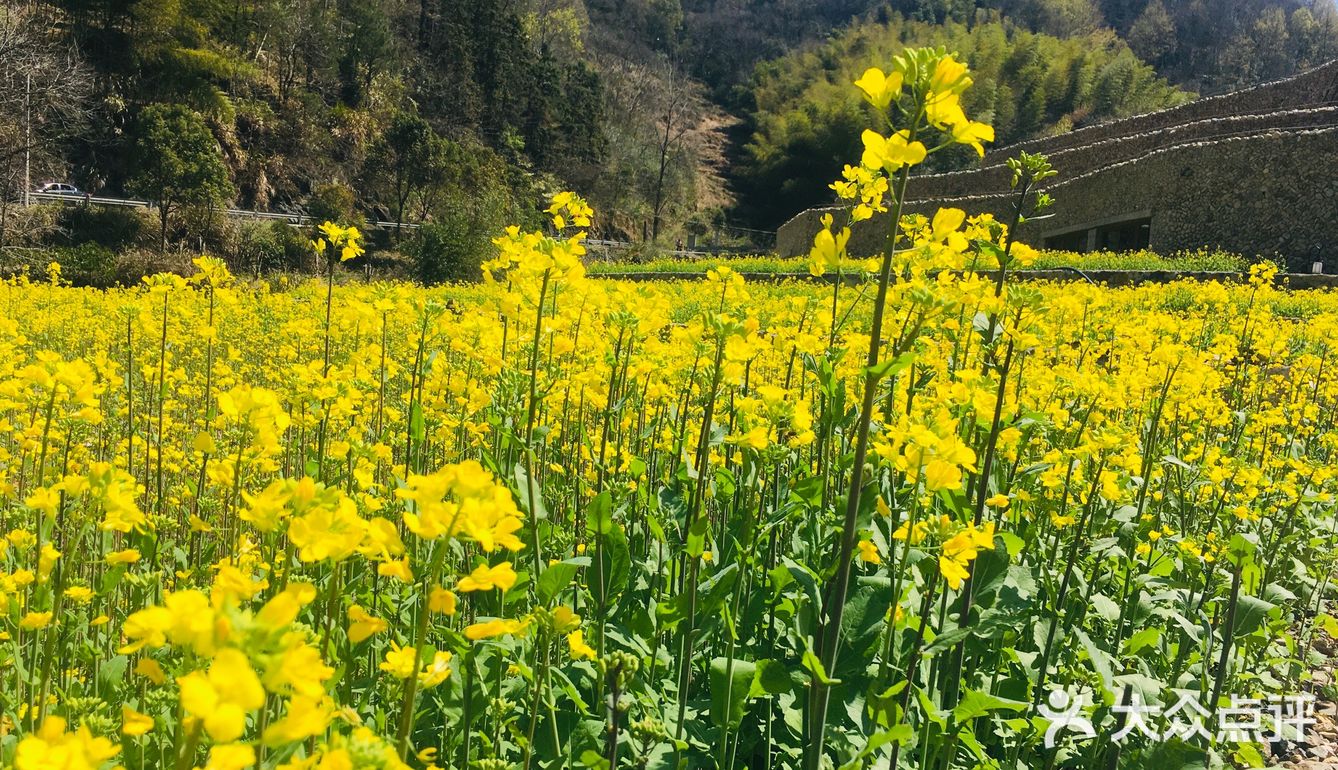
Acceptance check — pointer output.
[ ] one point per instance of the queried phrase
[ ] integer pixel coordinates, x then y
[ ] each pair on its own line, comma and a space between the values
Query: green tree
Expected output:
176, 161
1273, 46
408, 161
1153, 34
368, 46
1314, 34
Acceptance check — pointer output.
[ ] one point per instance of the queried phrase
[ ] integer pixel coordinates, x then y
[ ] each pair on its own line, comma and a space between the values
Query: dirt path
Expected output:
1320, 751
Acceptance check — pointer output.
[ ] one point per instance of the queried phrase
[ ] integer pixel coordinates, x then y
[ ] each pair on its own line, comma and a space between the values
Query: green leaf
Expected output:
971, 744
599, 513
863, 622
900, 733
1106, 607
1177, 462
656, 529
978, 703
892, 365
1161, 568
1241, 548
1101, 662
815, 667
711, 594
592, 760
563, 683
806, 580
988, 247
558, 576
1147, 688
724, 483
1278, 594
696, 544
417, 428
780, 578
731, 684
1248, 755
1327, 622
1251, 612
931, 711
111, 579
527, 487
989, 329
809, 490
614, 564
713, 591
1251, 577
1142, 640
111, 672
773, 678
948, 639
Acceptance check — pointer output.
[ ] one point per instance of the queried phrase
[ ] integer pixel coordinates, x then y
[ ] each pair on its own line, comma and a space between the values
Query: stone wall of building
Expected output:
1254, 172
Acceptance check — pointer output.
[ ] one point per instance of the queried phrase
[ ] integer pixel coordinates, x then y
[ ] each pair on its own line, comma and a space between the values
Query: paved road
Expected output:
292, 219
297, 220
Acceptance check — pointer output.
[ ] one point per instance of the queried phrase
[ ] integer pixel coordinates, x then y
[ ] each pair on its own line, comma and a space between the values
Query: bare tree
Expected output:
677, 113
666, 145
619, 187
43, 90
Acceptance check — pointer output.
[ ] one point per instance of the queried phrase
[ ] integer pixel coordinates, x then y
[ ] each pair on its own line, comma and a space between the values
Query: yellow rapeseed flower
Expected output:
578, 648
486, 578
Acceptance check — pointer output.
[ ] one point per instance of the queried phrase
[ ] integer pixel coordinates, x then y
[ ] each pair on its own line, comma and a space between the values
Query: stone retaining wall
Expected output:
1078, 160
1316, 87
1273, 194
1254, 172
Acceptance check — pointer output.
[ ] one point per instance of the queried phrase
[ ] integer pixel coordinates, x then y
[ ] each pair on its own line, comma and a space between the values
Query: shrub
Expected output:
114, 227
259, 246
92, 261
30, 226
295, 248
446, 251
453, 247
333, 202
267, 247
88, 264
207, 227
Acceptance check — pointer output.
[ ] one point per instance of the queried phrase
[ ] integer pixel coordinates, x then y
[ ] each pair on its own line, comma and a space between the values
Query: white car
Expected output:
60, 188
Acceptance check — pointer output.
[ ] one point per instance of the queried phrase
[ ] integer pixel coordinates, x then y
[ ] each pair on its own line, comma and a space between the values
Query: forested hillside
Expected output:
807, 122
1206, 46
674, 116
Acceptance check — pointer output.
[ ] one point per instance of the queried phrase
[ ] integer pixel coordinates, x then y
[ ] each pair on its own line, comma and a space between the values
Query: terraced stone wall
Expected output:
1254, 172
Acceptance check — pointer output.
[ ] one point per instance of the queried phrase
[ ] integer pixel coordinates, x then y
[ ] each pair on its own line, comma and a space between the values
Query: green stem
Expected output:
834, 604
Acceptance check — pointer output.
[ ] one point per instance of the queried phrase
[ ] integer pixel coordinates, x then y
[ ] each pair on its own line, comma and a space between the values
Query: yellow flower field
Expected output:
555, 521
215, 545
